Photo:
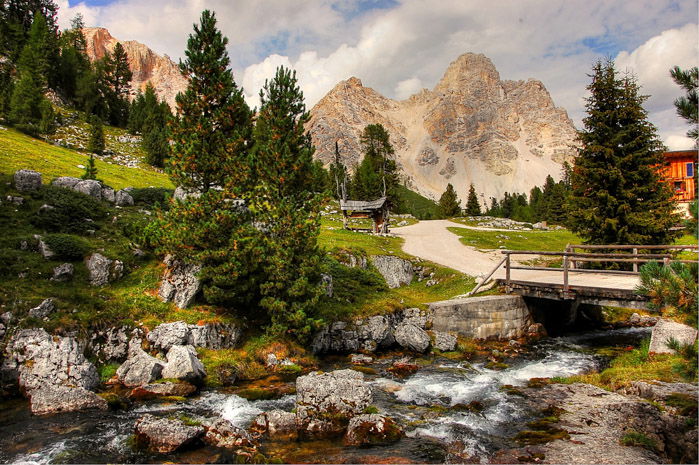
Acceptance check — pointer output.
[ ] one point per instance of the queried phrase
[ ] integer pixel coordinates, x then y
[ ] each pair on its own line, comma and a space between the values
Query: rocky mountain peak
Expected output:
467, 71
146, 65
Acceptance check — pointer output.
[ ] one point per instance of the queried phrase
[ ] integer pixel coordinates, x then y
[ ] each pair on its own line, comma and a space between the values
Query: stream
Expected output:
430, 405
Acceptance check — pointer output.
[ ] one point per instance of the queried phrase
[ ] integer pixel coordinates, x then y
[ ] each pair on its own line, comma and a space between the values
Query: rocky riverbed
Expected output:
426, 409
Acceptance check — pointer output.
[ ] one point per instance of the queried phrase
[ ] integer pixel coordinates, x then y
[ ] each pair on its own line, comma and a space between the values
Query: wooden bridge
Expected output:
568, 281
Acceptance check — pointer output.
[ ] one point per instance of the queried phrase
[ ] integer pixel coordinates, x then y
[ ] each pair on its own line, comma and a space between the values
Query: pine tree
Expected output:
473, 207
90, 169
377, 174
95, 143
617, 193
449, 202
117, 76
73, 60
688, 106
213, 127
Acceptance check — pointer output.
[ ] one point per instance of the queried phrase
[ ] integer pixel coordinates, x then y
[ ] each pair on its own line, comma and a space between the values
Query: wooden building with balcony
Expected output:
681, 173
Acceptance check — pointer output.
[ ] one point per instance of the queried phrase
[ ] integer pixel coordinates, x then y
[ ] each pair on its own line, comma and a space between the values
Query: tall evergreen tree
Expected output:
95, 143
449, 202
377, 174
473, 207
74, 61
213, 127
688, 106
618, 196
117, 76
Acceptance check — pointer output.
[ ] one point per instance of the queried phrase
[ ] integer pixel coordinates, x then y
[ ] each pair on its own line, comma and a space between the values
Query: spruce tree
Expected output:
617, 193
95, 143
449, 202
688, 106
90, 169
377, 173
117, 76
212, 130
473, 207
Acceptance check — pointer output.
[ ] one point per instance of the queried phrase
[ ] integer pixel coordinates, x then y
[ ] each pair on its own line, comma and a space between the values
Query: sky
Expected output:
399, 47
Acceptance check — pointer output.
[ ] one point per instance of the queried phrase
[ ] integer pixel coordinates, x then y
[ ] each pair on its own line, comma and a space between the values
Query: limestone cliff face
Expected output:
146, 65
471, 128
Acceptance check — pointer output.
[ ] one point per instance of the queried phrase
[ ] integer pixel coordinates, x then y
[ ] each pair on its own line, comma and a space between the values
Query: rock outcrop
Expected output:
146, 65
210, 336
472, 127
165, 435
27, 180
395, 270
180, 283
665, 330
103, 270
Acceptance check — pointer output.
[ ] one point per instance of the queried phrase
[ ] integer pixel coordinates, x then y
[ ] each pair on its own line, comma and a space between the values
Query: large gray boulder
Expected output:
182, 363
27, 180
89, 187
276, 424
396, 271
166, 335
63, 272
411, 337
139, 369
103, 270
43, 310
123, 199
180, 282
664, 330
108, 194
342, 393
54, 399
444, 341
221, 433
165, 435
45, 360
211, 335
66, 182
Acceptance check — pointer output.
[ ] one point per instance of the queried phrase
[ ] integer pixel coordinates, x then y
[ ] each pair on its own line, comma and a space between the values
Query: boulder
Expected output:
182, 363
221, 433
43, 360
366, 334
27, 180
43, 310
112, 344
445, 342
3, 330
372, 429
165, 435
419, 318
665, 330
44, 249
412, 337
102, 270
214, 335
396, 271
180, 282
123, 199
149, 391
325, 401
54, 399
67, 182
108, 194
276, 424
89, 187
139, 369
63, 272
166, 335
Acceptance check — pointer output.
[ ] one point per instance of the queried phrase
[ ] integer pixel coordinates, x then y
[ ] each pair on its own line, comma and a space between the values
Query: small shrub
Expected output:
371, 410
67, 246
634, 438
107, 371
71, 212
151, 196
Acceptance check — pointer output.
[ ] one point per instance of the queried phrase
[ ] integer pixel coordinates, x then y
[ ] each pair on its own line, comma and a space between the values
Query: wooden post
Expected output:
635, 264
507, 272
566, 287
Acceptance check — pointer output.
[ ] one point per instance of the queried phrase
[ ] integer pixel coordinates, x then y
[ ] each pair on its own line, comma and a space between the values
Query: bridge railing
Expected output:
571, 258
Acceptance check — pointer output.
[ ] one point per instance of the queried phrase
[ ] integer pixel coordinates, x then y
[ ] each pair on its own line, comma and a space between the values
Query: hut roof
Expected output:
362, 205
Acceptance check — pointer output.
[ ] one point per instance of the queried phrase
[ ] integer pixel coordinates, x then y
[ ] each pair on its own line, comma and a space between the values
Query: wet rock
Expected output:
665, 330
360, 359
403, 368
139, 369
182, 363
66, 182
102, 270
165, 435
326, 401
637, 320
108, 194
396, 271
412, 337
63, 272
276, 424
536, 330
54, 399
43, 310
214, 335
372, 429
44, 360
112, 344
180, 282
89, 187
27, 180
445, 342
123, 199
220, 433
150, 391
166, 335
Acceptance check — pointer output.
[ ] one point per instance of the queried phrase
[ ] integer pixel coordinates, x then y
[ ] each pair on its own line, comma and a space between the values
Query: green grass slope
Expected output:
417, 205
19, 151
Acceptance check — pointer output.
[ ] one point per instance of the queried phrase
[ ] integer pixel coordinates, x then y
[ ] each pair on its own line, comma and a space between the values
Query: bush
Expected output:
151, 196
67, 246
71, 212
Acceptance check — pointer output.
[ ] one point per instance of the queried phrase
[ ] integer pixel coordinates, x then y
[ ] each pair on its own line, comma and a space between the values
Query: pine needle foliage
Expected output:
672, 289
449, 202
688, 106
473, 207
617, 193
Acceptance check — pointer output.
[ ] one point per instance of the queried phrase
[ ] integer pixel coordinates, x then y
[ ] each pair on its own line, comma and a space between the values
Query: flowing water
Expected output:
432, 405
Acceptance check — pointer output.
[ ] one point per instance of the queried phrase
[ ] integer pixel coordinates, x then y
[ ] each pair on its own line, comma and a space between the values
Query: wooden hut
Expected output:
377, 210
680, 173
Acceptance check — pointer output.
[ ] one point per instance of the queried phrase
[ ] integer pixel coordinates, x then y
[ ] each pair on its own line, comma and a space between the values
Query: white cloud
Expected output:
408, 87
